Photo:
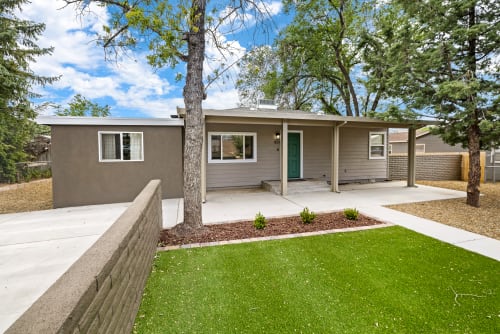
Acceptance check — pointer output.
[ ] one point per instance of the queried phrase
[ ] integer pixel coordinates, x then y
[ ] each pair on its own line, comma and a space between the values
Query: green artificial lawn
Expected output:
388, 280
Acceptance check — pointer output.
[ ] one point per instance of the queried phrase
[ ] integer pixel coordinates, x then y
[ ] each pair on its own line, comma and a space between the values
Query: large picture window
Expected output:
232, 147
377, 145
121, 146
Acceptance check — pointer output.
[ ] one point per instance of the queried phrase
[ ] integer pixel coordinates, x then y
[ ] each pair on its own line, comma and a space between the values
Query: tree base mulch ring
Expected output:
275, 226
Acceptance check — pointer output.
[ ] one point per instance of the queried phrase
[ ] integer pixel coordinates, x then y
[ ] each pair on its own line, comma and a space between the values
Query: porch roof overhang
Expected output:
247, 116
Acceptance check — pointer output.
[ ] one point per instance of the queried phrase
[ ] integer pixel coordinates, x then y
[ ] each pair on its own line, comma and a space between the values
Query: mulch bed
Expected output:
275, 226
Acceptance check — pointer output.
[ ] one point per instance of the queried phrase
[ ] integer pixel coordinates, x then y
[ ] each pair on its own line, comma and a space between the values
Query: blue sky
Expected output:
130, 86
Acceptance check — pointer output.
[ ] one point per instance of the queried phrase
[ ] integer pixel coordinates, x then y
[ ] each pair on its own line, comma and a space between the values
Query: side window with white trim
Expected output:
121, 146
377, 145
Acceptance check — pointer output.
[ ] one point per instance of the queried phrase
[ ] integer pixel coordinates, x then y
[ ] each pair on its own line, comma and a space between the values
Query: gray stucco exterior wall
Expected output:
80, 179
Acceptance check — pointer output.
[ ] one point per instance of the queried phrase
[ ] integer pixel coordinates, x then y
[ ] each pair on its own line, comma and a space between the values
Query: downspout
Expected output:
335, 157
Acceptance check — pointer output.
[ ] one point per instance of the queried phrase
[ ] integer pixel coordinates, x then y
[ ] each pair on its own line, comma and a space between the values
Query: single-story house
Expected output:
426, 142
104, 160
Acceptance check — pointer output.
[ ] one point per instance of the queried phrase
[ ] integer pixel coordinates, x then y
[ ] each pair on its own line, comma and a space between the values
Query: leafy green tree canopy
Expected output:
316, 64
81, 106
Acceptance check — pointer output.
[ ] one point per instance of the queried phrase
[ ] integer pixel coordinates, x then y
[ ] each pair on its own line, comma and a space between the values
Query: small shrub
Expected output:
260, 221
307, 216
351, 214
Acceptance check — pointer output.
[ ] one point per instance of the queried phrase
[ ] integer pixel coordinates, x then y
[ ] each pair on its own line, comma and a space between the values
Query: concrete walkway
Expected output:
238, 205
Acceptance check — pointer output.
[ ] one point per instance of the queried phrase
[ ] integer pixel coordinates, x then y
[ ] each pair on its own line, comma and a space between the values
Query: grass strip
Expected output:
385, 280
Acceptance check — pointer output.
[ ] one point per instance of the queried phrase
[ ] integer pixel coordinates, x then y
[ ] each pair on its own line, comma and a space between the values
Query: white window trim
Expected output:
99, 136
370, 145
236, 161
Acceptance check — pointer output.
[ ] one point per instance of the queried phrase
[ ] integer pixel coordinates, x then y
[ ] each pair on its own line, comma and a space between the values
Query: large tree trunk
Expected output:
474, 166
193, 135
473, 132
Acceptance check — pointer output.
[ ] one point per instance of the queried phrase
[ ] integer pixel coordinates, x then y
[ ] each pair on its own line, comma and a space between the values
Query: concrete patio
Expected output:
242, 204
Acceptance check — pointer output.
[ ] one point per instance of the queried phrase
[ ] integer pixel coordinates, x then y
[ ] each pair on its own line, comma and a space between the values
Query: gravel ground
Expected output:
32, 196
484, 220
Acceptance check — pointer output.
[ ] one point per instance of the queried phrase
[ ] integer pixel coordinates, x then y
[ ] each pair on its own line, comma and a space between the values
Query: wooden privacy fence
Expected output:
465, 165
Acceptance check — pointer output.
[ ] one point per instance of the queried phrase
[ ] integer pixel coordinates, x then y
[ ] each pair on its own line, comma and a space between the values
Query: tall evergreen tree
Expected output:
18, 48
442, 57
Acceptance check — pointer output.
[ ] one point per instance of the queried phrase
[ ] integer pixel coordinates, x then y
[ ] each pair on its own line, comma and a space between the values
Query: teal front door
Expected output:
293, 155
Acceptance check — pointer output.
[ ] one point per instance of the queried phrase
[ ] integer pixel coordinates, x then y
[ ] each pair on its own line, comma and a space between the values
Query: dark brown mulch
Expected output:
275, 226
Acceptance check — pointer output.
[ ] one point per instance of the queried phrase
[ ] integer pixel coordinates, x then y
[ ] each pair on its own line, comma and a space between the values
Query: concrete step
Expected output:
297, 187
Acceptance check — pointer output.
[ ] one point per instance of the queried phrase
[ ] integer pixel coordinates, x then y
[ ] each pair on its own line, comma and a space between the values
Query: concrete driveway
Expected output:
36, 248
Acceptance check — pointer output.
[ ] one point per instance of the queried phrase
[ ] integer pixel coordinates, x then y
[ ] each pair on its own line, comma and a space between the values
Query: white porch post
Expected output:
334, 172
204, 167
284, 158
412, 137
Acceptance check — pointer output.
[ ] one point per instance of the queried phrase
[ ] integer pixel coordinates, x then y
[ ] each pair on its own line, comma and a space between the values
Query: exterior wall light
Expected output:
277, 138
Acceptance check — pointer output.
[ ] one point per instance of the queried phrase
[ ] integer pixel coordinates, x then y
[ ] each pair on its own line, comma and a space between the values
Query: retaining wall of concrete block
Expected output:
101, 291
429, 166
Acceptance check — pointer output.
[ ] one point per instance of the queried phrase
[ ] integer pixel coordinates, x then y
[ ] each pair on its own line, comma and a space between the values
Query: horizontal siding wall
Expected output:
354, 163
434, 144
244, 174
316, 151
316, 140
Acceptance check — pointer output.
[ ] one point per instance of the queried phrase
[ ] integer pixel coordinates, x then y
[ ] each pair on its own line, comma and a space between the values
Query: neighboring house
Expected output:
493, 165
426, 142
104, 160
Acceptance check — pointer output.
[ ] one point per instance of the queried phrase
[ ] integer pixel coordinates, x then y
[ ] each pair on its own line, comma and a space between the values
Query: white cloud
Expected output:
130, 84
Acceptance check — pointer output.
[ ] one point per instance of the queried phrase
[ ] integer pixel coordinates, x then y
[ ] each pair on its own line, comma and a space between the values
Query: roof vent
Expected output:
267, 104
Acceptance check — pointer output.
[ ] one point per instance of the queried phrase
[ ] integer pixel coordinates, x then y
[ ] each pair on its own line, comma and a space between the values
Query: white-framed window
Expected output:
120, 146
419, 148
377, 145
229, 147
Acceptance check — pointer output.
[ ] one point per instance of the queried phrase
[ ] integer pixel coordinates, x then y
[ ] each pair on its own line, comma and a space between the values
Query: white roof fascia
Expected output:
308, 116
71, 120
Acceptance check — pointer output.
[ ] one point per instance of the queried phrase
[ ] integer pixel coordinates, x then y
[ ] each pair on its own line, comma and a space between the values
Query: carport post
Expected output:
412, 136
334, 172
335, 160
284, 158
